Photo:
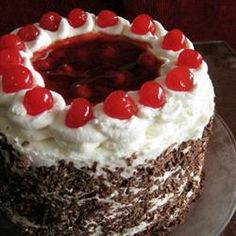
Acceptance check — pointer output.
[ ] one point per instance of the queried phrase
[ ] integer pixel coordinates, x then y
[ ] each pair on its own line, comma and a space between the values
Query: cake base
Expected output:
64, 200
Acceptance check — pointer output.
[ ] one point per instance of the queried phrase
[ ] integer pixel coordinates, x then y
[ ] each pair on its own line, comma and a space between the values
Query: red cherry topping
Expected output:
121, 78
2, 69
38, 100
143, 24
179, 79
79, 114
83, 91
50, 21
77, 17
10, 57
189, 58
152, 95
119, 105
147, 60
43, 64
16, 78
106, 19
11, 41
109, 52
28, 33
174, 40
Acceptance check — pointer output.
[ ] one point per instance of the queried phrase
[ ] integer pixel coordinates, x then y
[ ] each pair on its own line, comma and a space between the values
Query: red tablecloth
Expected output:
200, 20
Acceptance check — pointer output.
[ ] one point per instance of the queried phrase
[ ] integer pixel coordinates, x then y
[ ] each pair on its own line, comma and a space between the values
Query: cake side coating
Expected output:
65, 200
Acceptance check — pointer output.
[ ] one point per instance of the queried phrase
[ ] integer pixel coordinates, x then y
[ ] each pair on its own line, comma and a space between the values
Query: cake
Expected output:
104, 125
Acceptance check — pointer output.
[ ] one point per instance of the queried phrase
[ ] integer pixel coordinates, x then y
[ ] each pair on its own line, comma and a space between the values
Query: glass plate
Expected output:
213, 210
217, 203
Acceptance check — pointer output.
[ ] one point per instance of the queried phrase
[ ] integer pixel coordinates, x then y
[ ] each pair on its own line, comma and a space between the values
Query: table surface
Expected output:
221, 60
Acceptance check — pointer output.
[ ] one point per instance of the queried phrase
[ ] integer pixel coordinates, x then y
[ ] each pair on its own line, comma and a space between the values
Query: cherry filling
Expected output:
94, 65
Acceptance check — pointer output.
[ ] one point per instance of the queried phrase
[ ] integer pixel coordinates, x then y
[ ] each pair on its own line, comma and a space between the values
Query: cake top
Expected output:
99, 88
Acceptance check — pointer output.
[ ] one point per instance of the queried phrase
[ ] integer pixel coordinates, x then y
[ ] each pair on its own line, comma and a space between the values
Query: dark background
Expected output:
199, 19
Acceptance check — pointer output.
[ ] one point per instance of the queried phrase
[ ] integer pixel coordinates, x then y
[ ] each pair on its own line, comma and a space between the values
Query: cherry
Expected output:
16, 78
83, 91
152, 95
106, 18
2, 69
28, 33
174, 40
82, 55
43, 65
80, 112
38, 100
10, 57
50, 21
121, 78
189, 58
120, 105
143, 24
179, 79
65, 68
77, 17
147, 60
11, 41
109, 52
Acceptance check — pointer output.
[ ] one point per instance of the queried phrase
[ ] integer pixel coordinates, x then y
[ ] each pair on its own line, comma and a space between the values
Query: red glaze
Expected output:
119, 105
16, 78
9, 57
50, 21
80, 112
93, 66
77, 17
143, 24
189, 58
152, 95
11, 41
174, 40
179, 79
106, 18
28, 33
38, 100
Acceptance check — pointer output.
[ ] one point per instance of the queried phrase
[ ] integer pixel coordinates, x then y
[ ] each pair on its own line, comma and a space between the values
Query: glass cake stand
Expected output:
217, 203
213, 210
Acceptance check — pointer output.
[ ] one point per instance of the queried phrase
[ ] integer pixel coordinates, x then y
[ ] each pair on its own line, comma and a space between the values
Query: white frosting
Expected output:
106, 140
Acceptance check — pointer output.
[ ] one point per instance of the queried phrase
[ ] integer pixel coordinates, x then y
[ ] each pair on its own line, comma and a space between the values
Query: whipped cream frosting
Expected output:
106, 140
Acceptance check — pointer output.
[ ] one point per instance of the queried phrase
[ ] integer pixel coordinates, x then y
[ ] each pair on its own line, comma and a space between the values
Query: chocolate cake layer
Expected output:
63, 200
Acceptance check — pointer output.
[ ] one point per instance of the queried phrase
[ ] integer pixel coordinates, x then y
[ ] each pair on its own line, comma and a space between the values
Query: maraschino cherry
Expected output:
50, 21
28, 33
147, 60
9, 57
189, 58
174, 40
16, 78
106, 18
38, 100
143, 24
120, 105
152, 95
77, 17
179, 79
11, 41
83, 91
80, 112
